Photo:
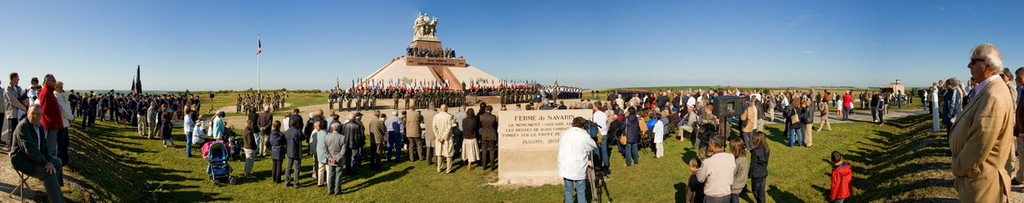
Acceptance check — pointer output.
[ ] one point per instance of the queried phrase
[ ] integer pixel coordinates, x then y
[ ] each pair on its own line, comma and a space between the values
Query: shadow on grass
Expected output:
106, 158
380, 179
777, 134
908, 156
680, 194
782, 196
825, 192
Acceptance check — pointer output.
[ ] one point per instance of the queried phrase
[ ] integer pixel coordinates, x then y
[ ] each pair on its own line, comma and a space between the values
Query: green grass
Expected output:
123, 167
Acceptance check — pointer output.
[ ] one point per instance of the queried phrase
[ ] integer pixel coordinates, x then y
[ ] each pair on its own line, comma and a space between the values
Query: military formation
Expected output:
438, 96
365, 98
518, 95
354, 99
255, 101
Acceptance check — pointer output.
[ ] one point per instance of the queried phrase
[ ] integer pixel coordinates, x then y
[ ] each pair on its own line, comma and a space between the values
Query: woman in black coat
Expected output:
277, 150
759, 166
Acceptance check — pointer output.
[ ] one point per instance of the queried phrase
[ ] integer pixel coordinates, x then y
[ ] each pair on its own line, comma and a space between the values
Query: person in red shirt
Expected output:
52, 120
842, 174
848, 105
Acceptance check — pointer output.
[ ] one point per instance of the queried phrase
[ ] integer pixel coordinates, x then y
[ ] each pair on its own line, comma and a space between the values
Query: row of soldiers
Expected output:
446, 97
356, 99
557, 92
518, 95
352, 99
250, 101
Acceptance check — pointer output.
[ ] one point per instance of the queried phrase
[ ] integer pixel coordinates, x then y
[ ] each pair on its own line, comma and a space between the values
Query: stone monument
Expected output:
427, 62
528, 145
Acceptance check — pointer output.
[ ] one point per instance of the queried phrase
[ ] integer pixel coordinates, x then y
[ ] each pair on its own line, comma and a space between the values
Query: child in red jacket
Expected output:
842, 174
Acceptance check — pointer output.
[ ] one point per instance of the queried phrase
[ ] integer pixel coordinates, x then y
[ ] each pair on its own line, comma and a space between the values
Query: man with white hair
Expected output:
395, 128
52, 120
29, 155
336, 145
443, 142
981, 140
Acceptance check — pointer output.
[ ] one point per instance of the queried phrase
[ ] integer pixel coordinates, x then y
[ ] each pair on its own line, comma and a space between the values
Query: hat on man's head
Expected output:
359, 114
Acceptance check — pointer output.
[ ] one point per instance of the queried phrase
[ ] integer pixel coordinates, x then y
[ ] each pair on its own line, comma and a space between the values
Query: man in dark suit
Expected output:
353, 129
489, 137
293, 143
29, 154
662, 100
264, 121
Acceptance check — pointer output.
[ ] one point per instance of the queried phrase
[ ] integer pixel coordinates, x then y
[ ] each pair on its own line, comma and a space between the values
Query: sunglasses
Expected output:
973, 60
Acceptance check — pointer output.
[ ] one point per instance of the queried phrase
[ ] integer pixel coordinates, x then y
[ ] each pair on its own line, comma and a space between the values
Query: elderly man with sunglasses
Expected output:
981, 139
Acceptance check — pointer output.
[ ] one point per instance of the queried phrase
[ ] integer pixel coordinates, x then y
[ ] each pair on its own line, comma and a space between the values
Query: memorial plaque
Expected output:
423, 61
528, 145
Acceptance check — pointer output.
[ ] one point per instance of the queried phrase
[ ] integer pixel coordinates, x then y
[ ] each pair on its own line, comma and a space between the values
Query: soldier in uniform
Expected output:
396, 96
346, 97
367, 99
359, 97
407, 95
238, 104
330, 99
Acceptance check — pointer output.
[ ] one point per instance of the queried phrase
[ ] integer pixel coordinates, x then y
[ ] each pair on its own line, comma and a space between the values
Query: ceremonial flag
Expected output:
259, 46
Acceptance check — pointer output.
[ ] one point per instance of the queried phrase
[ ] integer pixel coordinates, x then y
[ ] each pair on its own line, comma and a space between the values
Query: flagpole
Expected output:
258, 67
257, 73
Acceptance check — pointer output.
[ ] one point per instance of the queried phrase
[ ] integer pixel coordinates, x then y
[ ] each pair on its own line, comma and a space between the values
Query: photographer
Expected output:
574, 149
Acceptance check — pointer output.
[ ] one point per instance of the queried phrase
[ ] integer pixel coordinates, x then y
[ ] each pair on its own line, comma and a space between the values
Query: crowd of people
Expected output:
38, 118
36, 130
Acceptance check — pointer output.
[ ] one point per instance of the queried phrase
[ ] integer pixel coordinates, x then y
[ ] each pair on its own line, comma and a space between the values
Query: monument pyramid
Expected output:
427, 63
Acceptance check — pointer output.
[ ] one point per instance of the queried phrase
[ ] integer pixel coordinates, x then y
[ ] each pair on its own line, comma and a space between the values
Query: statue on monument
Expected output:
424, 28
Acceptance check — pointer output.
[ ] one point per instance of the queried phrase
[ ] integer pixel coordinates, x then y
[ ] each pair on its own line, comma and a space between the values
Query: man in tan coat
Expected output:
980, 139
443, 142
749, 119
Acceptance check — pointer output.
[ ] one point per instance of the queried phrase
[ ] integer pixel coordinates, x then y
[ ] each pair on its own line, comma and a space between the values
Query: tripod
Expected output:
596, 183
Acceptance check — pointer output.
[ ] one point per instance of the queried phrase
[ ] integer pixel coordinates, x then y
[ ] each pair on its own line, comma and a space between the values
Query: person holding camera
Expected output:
574, 149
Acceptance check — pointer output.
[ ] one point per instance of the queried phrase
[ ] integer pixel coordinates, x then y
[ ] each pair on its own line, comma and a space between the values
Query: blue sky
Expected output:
210, 45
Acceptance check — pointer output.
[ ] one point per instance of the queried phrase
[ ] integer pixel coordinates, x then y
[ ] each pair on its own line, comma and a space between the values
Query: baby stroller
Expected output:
219, 169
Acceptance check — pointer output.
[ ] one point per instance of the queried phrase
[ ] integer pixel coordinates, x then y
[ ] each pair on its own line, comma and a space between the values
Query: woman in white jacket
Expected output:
68, 116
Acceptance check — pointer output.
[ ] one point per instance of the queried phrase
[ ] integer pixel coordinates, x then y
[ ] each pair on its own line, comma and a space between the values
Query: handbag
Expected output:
794, 118
622, 140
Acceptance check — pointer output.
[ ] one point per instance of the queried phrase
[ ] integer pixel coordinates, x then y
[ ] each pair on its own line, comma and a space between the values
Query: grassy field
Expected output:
121, 166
